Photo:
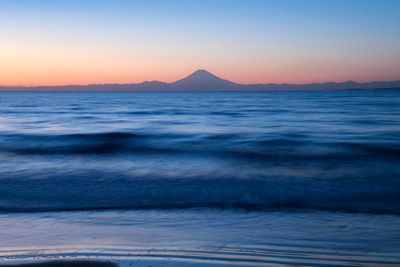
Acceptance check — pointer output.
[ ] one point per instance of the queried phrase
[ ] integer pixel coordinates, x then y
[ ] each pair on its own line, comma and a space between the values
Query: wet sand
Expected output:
66, 263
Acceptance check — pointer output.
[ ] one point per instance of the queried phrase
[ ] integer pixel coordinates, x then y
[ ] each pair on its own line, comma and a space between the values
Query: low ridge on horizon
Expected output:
204, 80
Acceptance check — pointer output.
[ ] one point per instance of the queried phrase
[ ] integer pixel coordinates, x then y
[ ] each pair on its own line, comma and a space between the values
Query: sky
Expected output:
48, 42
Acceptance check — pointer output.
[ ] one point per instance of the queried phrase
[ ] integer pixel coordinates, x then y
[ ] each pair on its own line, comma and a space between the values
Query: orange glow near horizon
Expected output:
63, 65
83, 75
64, 69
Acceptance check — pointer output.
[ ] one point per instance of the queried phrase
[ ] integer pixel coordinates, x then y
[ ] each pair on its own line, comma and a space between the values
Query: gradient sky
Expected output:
50, 42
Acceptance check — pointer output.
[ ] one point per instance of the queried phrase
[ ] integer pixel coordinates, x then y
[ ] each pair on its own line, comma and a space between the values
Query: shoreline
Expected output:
65, 263
125, 256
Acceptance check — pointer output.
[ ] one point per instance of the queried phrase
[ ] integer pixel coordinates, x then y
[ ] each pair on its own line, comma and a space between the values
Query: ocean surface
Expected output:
210, 178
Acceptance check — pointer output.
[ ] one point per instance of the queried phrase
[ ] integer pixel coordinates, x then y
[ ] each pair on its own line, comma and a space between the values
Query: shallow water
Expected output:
271, 171
204, 236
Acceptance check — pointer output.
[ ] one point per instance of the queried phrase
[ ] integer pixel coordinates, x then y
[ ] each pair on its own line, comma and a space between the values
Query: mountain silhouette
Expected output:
202, 80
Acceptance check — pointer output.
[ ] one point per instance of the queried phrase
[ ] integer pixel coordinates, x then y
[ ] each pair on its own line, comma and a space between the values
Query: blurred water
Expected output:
271, 179
336, 150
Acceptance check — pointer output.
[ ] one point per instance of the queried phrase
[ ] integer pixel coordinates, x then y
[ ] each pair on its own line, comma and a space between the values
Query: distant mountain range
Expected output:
202, 80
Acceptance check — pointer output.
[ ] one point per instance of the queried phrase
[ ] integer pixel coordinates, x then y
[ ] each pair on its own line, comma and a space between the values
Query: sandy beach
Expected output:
65, 263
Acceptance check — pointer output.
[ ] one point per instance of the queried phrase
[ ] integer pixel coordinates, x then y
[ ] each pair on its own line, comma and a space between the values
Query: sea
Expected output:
306, 178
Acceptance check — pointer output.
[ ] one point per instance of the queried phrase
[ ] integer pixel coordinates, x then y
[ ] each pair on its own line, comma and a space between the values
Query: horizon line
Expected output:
198, 70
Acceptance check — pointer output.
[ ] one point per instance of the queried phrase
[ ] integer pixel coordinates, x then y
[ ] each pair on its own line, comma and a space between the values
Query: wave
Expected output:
233, 145
272, 172
94, 190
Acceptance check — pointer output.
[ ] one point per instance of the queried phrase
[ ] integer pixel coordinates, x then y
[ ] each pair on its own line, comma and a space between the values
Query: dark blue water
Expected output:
271, 151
